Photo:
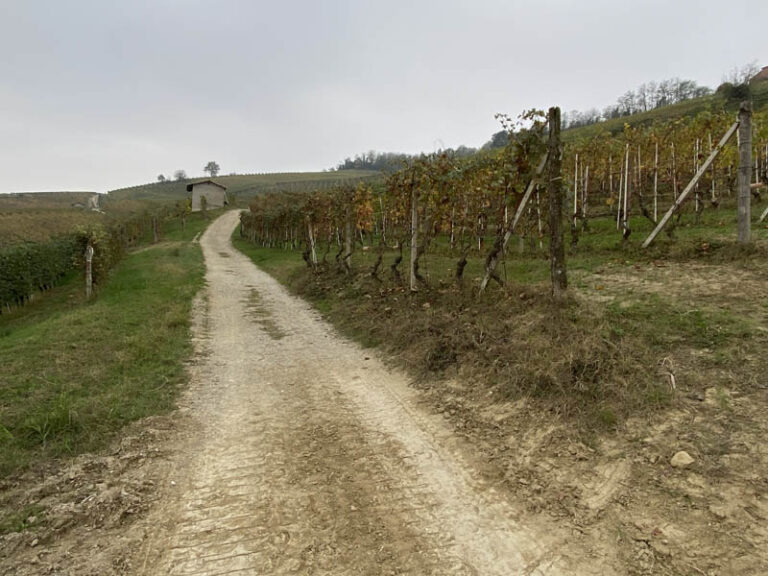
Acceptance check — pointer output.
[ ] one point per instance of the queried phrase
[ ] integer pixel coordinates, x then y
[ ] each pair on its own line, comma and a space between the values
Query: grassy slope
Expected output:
74, 372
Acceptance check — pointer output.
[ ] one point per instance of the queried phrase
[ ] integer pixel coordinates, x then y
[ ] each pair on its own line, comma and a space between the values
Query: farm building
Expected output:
215, 194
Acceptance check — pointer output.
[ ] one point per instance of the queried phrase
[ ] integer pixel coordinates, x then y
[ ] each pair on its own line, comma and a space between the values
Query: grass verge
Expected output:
74, 373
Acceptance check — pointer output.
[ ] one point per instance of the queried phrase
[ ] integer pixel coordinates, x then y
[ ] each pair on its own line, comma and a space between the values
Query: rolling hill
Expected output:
37, 216
240, 186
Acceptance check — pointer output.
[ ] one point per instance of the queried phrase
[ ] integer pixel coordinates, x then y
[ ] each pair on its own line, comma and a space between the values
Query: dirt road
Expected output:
311, 457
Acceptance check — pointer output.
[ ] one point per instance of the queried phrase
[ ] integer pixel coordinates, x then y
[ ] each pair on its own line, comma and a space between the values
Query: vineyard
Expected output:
30, 268
446, 266
39, 216
468, 209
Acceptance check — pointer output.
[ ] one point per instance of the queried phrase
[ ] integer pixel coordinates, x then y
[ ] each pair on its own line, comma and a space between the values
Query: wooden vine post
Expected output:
745, 170
575, 190
555, 189
311, 237
88, 271
625, 210
585, 199
414, 235
656, 183
610, 179
348, 238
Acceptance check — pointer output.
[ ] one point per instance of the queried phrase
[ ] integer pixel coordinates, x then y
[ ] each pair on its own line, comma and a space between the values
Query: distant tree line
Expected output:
652, 95
392, 161
647, 96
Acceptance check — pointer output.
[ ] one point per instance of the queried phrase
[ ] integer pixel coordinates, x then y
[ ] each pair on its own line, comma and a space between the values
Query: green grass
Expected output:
74, 373
27, 517
282, 264
664, 323
195, 224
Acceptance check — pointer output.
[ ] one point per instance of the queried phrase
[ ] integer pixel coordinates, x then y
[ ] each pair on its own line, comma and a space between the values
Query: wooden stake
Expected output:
540, 223
712, 173
414, 235
695, 170
656, 183
757, 165
528, 191
625, 218
348, 236
575, 187
88, 271
610, 176
584, 193
745, 169
554, 186
618, 202
674, 173
311, 233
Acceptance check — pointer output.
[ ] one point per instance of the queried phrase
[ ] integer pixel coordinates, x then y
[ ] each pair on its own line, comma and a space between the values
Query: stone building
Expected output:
215, 194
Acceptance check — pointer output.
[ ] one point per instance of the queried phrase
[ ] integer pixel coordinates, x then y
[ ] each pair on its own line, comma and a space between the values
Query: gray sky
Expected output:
101, 94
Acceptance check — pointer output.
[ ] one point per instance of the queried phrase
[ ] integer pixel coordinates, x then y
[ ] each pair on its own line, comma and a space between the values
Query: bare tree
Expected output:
742, 75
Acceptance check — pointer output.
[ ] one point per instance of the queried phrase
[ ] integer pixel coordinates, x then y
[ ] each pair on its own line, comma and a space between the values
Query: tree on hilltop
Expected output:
212, 168
180, 175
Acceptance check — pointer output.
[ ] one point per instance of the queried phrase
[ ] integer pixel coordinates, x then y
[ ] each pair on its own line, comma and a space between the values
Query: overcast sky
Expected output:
102, 94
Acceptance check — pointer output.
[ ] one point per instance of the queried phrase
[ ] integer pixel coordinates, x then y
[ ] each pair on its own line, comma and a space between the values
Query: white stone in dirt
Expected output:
682, 460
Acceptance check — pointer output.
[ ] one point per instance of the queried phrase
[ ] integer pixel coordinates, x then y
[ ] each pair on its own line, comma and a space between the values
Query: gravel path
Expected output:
310, 456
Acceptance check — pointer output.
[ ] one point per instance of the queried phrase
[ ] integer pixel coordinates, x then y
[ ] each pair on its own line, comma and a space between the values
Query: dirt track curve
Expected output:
311, 457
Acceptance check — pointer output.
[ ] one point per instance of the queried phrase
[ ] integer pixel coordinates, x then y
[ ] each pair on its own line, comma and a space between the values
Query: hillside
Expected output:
688, 108
240, 186
41, 215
